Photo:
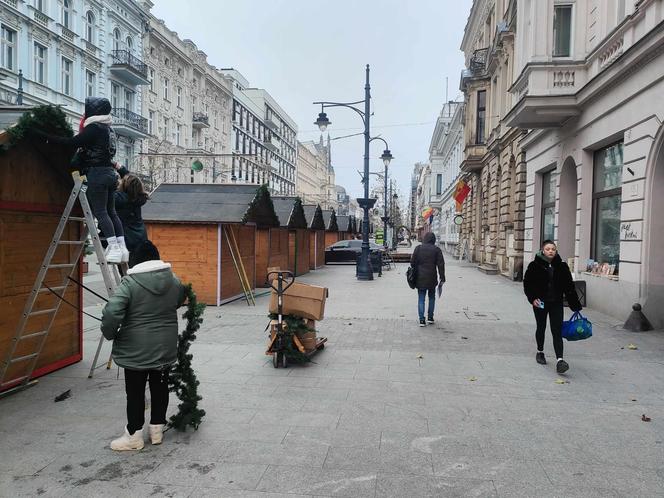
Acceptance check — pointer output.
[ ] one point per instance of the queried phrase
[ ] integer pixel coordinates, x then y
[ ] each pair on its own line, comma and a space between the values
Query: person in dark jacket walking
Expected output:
96, 144
141, 320
426, 259
546, 280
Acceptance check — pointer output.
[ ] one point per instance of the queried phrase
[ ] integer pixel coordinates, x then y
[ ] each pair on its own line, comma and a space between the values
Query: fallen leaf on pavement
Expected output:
464, 337
473, 379
63, 396
419, 356
644, 418
632, 346
561, 381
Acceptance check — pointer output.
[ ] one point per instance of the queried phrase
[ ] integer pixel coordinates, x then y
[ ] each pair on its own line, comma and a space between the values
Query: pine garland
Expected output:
46, 118
182, 379
294, 325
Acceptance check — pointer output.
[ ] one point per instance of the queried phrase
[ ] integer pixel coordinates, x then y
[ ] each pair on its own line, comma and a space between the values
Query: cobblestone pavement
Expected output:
387, 409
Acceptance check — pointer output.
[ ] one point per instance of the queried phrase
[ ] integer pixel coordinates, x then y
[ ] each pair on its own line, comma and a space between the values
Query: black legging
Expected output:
135, 387
102, 184
555, 312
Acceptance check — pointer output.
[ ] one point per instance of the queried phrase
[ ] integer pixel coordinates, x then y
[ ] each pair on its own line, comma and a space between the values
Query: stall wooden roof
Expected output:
314, 215
290, 212
330, 219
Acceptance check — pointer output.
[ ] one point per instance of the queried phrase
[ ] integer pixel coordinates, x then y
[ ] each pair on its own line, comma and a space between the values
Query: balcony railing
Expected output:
200, 119
125, 117
478, 60
126, 58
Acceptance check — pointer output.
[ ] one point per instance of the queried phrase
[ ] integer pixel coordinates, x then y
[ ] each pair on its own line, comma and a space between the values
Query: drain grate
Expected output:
477, 315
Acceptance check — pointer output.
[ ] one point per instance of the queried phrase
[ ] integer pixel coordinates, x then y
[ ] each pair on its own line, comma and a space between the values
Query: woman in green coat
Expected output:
141, 320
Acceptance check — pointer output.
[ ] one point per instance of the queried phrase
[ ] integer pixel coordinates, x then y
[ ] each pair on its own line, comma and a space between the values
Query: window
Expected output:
67, 66
179, 96
40, 64
481, 116
151, 79
165, 88
39, 5
166, 128
130, 98
151, 122
128, 152
548, 206
8, 56
607, 197
90, 84
178, 134
66, 13
562, 30
439, 184
115, 95
130, 44
117, 40
90, 26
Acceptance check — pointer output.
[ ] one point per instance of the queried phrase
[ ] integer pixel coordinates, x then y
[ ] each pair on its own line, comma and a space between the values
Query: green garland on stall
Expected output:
182, 379
47, 118
294, 326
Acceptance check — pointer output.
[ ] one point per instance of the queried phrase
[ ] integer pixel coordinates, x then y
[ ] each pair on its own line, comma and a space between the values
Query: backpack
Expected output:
411, 276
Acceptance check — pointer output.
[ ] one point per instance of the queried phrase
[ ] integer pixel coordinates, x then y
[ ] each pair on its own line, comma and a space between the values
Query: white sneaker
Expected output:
125, 252
114, 254
128, 441
156, 433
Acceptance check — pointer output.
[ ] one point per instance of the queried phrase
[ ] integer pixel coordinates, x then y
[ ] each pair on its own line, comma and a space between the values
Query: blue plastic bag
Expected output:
577, 328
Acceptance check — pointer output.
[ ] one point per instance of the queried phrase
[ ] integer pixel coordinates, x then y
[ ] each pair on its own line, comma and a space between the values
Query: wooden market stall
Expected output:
316, 228
291, 215
35, 184
205, 230
343, 224
331, 227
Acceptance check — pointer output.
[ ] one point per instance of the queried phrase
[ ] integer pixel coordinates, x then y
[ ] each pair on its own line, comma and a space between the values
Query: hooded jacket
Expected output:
427, 258
141, 317
97, 141
537, 283
130, 214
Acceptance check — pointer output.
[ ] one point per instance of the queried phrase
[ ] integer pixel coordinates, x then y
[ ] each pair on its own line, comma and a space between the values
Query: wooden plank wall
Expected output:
262, 255
25, 238
192, 251
279, 249
331, 238
302, 237
246, 240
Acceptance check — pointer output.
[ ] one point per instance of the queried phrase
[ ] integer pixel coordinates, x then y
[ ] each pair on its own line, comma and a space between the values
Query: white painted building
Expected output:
589, 86
263, 129
311, 184
445, 157
70, 49
188, 109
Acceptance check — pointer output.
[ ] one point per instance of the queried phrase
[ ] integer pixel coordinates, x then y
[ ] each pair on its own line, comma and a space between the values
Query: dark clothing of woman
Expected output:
548, 282
426, 259
135, 381
130, 215
96, 146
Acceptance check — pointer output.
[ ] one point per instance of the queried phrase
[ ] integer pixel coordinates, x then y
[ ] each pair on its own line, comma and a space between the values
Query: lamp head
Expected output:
322, 121
387, 157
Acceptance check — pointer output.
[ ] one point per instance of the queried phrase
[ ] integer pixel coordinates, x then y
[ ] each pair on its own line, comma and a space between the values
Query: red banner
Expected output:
461, 192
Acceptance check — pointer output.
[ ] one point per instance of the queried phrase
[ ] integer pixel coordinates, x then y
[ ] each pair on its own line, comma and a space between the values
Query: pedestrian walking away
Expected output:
96, 146
547, 279
141, 320
427, 259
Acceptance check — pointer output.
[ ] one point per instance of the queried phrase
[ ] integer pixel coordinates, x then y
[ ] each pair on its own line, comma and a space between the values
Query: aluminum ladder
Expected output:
110, 273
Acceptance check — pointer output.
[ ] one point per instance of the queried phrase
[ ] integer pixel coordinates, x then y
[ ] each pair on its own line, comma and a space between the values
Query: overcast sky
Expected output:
303, 51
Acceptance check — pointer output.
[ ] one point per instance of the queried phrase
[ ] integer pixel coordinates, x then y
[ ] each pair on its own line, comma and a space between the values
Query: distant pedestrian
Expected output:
141, 320
427, 258
546, 280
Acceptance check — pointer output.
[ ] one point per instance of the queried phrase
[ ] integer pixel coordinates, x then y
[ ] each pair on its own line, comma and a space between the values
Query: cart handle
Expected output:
281, 274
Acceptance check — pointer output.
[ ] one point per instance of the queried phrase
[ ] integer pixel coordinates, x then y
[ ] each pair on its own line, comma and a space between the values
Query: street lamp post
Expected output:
364, 268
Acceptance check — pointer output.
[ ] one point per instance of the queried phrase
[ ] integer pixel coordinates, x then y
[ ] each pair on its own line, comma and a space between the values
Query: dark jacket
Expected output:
538, 285
427, 258
141, 317
96, 144
131, 217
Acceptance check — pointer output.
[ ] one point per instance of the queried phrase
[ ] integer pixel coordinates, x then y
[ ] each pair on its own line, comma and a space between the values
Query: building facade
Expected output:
492, 232
263, 139
445, 156
69, 50
589, 90
311, 184
188, 108
422, 199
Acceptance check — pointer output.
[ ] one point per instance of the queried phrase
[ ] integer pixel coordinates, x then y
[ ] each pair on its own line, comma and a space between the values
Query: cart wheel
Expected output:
322, 346
284, 362
275, 360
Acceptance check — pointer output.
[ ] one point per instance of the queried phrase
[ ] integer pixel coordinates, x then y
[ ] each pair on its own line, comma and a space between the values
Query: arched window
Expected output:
90, 26
117, 40
130, 44
66, 13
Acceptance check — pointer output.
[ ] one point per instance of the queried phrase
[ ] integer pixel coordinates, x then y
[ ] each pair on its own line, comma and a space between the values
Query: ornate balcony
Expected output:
200, 120
128, 67
129, 124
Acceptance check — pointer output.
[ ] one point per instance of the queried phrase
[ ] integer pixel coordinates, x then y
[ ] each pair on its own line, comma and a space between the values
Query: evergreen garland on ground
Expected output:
182, 380
46, 118
293, 325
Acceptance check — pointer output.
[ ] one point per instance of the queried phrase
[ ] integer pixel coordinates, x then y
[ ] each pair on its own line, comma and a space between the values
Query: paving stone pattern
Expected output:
459, 408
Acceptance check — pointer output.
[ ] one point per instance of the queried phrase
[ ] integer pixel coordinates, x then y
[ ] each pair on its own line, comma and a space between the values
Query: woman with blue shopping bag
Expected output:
546, 280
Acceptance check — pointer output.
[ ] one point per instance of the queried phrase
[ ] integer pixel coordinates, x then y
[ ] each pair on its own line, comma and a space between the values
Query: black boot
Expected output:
539, 358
